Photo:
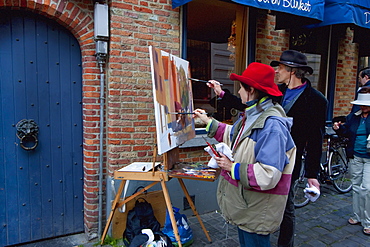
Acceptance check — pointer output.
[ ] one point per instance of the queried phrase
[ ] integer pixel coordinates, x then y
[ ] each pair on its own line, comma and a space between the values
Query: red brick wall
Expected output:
130, 117
346, 74
196, 154
270, 42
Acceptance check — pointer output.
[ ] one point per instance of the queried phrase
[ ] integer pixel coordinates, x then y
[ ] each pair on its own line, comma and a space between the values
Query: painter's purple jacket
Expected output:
254, 194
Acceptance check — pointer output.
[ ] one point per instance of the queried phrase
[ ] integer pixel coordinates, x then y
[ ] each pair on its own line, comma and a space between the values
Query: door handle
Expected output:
27, 131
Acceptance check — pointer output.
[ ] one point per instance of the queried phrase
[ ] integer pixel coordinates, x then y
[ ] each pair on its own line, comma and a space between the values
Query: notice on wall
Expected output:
173, 99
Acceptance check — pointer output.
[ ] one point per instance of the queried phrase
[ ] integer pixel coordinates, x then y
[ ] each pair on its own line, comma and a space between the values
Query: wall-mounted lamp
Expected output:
101, 31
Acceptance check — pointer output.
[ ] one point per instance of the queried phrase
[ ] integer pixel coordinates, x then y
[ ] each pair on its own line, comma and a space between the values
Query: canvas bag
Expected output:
185, 232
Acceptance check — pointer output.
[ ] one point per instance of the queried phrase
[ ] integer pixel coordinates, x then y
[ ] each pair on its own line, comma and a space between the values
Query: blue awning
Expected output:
355, 12
307, 8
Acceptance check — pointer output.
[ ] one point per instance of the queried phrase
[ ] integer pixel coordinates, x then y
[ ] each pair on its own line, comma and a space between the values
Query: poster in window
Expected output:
173, 99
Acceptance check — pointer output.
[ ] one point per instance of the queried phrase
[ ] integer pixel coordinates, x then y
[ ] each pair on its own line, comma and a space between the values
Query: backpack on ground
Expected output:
140, 217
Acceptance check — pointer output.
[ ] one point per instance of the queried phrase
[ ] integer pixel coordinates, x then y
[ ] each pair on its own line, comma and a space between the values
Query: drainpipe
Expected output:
101, 62
101, 35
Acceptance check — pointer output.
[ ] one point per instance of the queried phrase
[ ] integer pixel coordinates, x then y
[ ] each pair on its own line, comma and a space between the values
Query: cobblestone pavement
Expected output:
322, 223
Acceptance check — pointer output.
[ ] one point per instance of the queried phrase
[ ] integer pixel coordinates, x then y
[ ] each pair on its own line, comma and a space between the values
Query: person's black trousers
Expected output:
287, 226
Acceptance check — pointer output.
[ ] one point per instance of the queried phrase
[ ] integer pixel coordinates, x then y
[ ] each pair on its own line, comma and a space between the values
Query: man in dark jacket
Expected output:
307, 106
223, 107
364, 77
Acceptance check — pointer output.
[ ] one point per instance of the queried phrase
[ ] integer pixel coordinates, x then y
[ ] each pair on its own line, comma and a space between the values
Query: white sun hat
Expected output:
362, 99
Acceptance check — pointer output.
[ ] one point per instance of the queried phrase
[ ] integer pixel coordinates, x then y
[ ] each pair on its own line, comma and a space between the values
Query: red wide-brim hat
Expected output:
259, 76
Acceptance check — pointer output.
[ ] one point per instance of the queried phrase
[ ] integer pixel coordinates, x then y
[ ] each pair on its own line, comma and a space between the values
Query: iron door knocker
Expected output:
27, 131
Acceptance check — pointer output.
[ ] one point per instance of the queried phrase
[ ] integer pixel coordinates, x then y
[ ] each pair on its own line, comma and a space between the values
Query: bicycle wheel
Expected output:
299, 199
339, 172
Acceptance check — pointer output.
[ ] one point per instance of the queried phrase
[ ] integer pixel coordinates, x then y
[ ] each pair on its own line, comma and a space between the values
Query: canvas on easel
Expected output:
173, 100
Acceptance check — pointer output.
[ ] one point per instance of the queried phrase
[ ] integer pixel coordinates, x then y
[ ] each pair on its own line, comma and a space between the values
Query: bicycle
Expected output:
333, 171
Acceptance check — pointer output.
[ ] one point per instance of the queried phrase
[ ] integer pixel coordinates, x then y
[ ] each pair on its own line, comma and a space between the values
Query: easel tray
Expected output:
194, 170
141, 171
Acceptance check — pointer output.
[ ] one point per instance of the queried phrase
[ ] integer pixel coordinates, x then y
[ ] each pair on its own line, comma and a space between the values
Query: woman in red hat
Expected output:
255, 181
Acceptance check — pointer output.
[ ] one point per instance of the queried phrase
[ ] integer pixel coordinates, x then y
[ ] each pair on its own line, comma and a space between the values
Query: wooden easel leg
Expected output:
193, 208
170, 211
114, 206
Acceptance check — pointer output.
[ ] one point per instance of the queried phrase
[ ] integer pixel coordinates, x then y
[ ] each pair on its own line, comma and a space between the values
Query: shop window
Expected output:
361, 38
364, 62
211, 45
306, 41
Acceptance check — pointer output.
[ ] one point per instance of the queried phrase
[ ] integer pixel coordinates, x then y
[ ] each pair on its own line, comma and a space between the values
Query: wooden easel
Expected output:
162, 177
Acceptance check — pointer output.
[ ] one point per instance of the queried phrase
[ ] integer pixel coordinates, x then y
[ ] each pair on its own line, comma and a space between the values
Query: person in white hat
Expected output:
357, 129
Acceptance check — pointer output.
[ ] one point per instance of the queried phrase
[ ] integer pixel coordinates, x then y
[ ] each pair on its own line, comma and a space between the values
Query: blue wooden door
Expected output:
41, 189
